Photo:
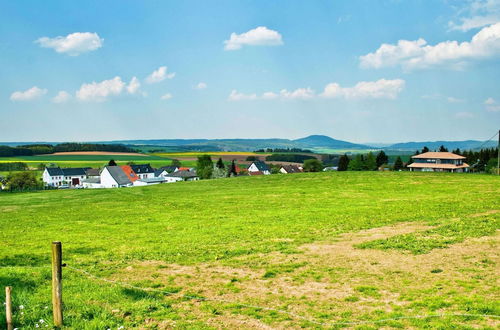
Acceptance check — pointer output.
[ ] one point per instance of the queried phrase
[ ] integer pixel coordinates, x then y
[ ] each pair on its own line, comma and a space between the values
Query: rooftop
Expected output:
438, 155
433, 165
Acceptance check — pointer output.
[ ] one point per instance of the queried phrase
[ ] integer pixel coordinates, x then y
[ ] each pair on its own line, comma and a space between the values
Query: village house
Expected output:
258, 168
182, 176
165, 170
438, 162
64, 177
114, 177
287, 169
143, 171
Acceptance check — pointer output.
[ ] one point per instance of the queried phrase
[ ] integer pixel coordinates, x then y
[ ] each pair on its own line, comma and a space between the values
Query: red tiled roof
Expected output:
129, 172
184, 168
438, 155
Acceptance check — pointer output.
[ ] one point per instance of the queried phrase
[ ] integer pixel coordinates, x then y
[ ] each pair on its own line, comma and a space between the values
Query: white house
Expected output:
438, 162
57, 177
286, 169
259, 167
165, 170
182, 176
143, 171
114, 177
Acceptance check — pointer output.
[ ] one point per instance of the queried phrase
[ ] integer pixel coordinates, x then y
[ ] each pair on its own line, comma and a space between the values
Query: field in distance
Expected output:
369, 249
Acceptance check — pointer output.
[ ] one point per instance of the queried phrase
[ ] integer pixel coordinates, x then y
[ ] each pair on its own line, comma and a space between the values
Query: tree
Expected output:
370, 164
313, 165
112, 163
220, 164
398, 164
343, 163
357, 163
425, 149
176, 163
23, 181
232, 170
204, 167
41, 167
382, 158
442, 149
218, 173
251, 158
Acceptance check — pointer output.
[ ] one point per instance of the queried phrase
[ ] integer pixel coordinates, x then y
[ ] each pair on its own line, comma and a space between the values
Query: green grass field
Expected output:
314, 250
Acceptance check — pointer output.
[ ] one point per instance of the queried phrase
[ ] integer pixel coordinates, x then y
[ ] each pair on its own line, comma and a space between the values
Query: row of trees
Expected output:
40, 149
368, 162
284, 150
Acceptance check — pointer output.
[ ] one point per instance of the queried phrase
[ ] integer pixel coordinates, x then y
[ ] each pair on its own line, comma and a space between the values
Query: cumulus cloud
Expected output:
133, 85
159, 75
167, 96
100, 91
61, 97
298, 94
417, 54
236, 96
380, 89
201, 85
492, 105
73, 44
260, 36
29, 94
269, 96
476, 14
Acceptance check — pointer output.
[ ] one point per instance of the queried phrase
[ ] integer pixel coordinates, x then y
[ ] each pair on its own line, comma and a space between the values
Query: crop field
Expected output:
313, 250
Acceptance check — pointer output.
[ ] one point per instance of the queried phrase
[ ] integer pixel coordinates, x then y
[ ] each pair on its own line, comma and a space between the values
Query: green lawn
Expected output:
316, 248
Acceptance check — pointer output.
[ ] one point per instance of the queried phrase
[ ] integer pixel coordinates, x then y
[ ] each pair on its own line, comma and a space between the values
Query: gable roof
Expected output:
129, 173
118, 175
54, 171
169, 169
438, 155
76, 171
291, 168
92, 172
182, 174
261, 166
142, 168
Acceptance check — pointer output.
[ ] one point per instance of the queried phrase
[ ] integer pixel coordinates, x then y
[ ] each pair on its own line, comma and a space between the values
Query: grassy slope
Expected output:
237, 223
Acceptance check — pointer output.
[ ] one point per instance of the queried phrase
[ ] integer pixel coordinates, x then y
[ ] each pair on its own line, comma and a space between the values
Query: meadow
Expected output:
315, 250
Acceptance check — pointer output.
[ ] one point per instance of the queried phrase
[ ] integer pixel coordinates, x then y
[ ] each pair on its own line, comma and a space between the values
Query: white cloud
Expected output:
133, 85
61, 97
99, 92
418, 54
73, 44
167, 96
201, 85
492, 105
476, 14
159, 75
29, 94
380, 89
269, 96
235, 96
260, 36
298, 94
454, 100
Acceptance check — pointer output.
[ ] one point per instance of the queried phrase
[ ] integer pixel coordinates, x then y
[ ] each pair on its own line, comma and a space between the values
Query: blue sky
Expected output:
362, 71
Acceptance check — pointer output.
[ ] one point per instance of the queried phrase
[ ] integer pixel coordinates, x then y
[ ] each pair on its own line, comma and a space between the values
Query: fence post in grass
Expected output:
57, 283
8, 307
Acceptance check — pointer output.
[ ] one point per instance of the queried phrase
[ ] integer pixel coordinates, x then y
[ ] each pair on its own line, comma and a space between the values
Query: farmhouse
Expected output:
114, 177
165, 170
438, 162
143, 171
58, 177
182, 176
259, 168
286, 169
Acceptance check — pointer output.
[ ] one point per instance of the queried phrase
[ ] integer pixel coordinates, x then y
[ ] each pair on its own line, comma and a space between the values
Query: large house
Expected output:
258, 167
64, 177
143, 171
438, 162
114, 177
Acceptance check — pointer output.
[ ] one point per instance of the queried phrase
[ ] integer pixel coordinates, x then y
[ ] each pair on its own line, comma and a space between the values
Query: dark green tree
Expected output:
343, 163
425, 149
382, 158
112, 163
25, 180
204, 167
370, 163
232, 170
398, 164
313, 165
220, 164
251, 158
442, 149
176, 163
357, 163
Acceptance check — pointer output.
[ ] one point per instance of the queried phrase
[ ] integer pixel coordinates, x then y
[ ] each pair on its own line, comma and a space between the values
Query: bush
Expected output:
313, 165
23, 181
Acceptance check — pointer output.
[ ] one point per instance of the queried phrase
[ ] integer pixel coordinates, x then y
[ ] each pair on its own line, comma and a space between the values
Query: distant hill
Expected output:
323, 141
450, 145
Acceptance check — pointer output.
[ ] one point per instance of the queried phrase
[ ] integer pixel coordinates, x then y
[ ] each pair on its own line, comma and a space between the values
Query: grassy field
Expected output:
320, 250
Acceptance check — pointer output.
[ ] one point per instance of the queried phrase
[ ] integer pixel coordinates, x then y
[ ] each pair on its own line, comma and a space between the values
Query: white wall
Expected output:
107, 180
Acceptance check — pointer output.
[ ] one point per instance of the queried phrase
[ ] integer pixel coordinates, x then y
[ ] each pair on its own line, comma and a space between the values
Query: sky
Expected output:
363, 71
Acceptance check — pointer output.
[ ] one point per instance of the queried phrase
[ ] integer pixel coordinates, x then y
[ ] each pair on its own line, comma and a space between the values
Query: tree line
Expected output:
40, 149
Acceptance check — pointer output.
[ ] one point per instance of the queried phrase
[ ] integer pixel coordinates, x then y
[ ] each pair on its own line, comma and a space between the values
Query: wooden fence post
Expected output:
57, 283
8, 307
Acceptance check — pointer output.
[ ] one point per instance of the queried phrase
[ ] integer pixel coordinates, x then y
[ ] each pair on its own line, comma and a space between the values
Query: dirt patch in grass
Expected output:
485, 213
331, 282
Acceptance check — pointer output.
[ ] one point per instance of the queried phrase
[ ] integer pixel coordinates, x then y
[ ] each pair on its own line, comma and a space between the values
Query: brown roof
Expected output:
443, 166
129, 172
438, 155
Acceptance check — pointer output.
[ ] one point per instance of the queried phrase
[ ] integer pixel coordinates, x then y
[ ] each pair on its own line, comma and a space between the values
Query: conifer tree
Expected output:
398, 164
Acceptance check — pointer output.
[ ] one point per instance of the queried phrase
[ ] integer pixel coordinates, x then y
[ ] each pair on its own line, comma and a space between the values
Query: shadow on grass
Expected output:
26, 260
